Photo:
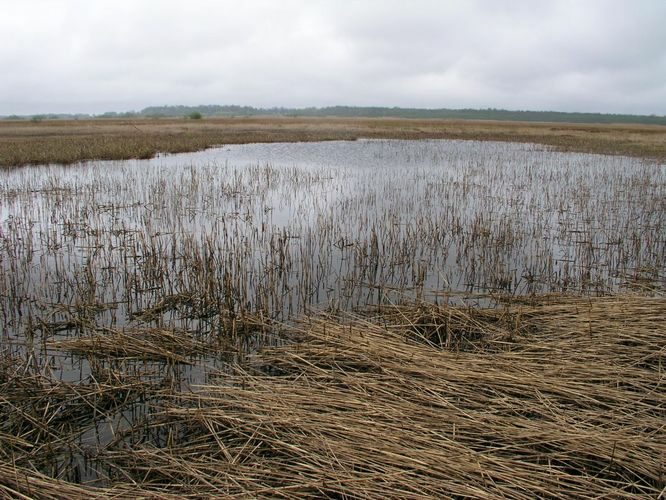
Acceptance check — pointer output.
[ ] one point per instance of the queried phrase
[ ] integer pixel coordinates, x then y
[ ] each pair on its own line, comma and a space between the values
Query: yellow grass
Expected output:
69, 141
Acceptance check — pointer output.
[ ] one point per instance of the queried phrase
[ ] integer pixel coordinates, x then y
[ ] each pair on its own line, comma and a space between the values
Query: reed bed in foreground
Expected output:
552, 397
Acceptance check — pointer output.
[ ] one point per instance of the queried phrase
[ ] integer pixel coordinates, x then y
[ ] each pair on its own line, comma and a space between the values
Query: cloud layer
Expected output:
564, 55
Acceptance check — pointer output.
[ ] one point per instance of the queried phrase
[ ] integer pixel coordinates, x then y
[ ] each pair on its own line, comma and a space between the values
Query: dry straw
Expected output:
62, 141
557, 397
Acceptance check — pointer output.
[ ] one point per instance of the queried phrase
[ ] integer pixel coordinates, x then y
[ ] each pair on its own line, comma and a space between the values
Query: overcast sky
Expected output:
117, 55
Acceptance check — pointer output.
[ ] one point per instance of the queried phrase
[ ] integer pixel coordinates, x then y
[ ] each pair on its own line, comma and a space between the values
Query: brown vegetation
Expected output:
70, 141
551, 397
143, 345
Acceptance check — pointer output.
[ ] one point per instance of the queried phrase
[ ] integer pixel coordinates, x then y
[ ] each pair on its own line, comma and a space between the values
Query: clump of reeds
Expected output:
141, 343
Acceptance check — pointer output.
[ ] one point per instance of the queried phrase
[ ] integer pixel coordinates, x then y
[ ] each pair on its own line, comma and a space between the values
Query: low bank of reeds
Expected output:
552, 397
64, 141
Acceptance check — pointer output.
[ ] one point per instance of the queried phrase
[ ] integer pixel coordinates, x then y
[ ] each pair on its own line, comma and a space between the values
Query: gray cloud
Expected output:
568, 55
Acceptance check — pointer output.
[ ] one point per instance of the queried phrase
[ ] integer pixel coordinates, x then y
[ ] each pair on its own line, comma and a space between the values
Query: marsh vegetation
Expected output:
62, 141
229, 321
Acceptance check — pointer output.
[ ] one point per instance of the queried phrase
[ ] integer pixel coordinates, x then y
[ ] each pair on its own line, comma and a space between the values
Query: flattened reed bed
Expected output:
553, 397
21, 483
42, 419
143, 343
547, 324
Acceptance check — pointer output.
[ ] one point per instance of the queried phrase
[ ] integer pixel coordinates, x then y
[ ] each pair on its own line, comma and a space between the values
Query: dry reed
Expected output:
143, 343
70, 141
552, 397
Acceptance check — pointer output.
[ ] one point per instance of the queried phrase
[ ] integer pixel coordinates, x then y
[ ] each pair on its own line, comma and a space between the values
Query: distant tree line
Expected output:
365, 112
48, 116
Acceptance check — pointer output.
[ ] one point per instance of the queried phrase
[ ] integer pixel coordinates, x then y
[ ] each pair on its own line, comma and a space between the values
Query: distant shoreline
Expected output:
27, 142
228, 111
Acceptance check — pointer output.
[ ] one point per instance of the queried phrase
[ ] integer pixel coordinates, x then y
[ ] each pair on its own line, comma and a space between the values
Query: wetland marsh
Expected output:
127, 285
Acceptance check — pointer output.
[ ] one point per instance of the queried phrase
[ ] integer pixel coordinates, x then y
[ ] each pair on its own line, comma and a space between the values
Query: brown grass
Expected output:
24, 143
142, 343
552, 397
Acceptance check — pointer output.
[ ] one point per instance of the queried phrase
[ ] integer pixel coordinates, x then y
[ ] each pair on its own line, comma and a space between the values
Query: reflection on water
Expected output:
277, 229
210, 247
331, 222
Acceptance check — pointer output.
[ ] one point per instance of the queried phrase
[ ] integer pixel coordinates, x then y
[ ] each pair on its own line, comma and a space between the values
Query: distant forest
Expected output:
365, 112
